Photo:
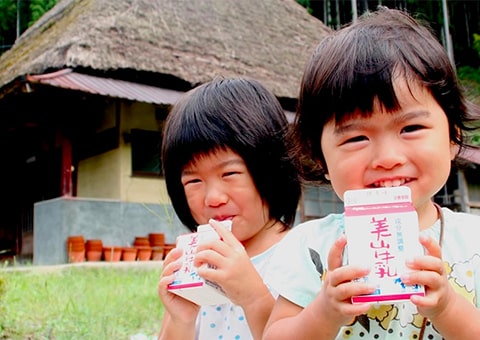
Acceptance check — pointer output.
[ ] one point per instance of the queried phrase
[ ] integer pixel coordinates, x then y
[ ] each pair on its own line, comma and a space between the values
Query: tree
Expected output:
453, 21
17, 15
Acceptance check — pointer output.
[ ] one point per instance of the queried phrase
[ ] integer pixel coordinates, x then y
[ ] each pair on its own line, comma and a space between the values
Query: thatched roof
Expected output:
193, 41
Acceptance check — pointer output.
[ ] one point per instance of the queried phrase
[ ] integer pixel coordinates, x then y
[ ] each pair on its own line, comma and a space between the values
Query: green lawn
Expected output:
79, 303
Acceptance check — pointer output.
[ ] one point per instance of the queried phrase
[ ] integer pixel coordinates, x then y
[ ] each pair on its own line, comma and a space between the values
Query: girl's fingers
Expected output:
209, 256
226, 236
431, 246
172, 262
335, 256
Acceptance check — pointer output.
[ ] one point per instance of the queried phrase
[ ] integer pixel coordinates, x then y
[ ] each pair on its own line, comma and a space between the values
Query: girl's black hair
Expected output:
357, 65
243, 116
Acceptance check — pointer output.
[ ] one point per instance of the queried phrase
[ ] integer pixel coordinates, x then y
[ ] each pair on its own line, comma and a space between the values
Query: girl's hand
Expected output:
180, 309
335, 296
430, 272
226, 263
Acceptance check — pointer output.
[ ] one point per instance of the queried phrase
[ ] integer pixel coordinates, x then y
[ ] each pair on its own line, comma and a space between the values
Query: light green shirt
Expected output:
300, 261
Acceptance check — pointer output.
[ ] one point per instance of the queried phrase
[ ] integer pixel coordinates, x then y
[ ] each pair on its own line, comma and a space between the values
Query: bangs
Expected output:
200, 139
372, 92
366, 80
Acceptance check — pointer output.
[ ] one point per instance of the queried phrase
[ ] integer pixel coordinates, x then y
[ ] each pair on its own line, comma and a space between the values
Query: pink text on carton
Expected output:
382, 231
188, 284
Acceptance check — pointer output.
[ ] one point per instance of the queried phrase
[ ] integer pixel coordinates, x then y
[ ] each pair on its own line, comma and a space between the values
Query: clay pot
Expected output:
76, 242
94, 250
156, 239
76, 256
94, 255
167, 247
93, 245
129, 254
144, 253
141, 241
76, 248
157, 253
112, 253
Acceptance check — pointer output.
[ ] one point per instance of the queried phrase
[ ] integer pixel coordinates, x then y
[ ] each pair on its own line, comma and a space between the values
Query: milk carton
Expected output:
381, 226
188, 284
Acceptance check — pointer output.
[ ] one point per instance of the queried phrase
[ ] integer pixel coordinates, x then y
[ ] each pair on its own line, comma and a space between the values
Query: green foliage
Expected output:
476, 43
8, 17
2, 292
468, 73
306, 4
28, 12
476, 139
470, 80
80, 303
38, 8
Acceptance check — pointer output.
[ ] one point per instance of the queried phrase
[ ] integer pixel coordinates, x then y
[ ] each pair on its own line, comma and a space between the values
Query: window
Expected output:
146, 146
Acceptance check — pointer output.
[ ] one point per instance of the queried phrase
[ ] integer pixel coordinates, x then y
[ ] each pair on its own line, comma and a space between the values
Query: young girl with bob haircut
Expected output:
227, 156
380, 106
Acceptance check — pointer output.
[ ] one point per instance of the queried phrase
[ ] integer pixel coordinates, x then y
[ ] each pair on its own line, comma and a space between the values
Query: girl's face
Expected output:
219, 186
408, 147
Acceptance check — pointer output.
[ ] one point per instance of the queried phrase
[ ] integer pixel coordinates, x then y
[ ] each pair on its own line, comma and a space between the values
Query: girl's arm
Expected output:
290, 321
176, 331
329, 311
460, 320
257, 308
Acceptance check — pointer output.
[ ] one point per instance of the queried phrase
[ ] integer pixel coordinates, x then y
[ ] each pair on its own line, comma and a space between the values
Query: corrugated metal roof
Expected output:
68, 79
471, 154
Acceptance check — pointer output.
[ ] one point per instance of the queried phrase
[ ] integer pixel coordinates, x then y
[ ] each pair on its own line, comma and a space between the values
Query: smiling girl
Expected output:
380, 106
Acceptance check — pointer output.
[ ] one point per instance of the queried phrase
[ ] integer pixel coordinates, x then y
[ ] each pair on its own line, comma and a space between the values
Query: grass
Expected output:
79, 303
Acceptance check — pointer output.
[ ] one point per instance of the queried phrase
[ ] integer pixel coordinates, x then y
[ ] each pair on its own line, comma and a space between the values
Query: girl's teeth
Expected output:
387, 184
397, 182
392, 183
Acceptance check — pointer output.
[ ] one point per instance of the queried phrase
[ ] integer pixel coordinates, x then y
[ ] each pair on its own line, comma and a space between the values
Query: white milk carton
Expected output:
188, 284
381, 226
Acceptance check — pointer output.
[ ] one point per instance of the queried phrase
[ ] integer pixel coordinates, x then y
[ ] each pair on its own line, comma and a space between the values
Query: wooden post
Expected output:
66, 167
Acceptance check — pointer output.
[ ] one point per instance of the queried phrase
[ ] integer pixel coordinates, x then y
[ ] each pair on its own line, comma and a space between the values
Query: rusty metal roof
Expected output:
68, 79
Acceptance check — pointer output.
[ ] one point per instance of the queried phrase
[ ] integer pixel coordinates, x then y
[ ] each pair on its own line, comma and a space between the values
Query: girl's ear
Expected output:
454, 149
327, 176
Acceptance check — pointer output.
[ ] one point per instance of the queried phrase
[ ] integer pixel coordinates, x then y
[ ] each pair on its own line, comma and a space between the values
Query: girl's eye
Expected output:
412, 128
230, 173
190, 181
355, 139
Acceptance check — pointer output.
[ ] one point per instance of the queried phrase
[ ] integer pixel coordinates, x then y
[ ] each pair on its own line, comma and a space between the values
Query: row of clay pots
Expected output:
129, 254
114, 253
152, 240
93, 250
156, 241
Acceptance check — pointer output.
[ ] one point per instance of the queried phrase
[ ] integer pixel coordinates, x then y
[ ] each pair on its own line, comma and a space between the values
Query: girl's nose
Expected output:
215, 196
388, 155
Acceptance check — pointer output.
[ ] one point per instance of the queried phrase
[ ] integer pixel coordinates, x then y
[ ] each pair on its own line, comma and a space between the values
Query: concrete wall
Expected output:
114, 222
